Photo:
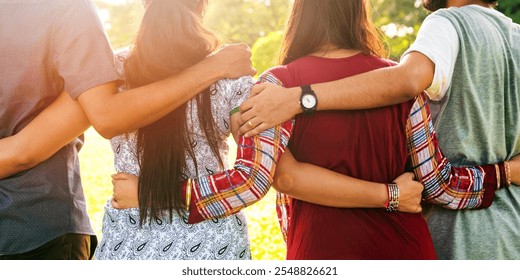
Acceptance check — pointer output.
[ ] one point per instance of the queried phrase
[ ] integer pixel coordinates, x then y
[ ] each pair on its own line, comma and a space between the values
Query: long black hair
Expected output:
171, 38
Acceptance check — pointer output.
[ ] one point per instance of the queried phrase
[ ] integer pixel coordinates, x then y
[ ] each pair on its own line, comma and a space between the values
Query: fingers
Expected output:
114, 203
257, 89
251, 128
408, 176
120, 176
247, 126
257, 130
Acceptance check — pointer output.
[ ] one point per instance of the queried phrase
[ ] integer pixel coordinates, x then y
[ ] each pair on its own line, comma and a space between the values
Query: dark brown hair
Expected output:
171, 38
343, 23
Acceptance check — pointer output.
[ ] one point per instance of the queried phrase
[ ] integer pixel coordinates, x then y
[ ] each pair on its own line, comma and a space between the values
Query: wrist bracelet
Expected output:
497, 169
508, 173
393, 197
188, 194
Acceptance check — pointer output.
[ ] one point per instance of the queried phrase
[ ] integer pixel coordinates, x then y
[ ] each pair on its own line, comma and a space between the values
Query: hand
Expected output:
125, 191
272, 107
410, 193
233, 61
514, 170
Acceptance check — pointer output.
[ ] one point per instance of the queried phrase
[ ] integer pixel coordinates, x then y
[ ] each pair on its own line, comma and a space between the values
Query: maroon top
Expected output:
366, 144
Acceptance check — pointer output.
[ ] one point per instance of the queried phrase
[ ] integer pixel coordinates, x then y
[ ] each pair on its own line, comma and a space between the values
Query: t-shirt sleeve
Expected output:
438, 40
82, 53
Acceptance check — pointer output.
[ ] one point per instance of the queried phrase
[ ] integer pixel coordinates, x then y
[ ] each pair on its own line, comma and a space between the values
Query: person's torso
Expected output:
41, 203
479, 123
224, 238
366, 144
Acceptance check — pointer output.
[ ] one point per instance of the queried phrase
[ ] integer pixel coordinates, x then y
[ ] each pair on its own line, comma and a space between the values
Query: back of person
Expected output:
46, 48
224, 238
366, 144
478, 122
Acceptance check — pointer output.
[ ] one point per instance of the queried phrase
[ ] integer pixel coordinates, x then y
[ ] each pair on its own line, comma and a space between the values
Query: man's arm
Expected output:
270, 105
112, 114
82, 56
52, 129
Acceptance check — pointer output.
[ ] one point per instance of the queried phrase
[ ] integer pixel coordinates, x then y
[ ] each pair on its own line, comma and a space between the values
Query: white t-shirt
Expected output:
438, 40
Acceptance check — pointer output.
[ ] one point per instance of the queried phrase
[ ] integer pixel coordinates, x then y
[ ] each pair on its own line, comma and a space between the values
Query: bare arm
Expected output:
270, 105
52, 129
321, 186
112, 114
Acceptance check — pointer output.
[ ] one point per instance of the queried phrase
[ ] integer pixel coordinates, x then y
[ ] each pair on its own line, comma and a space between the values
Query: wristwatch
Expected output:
308, 99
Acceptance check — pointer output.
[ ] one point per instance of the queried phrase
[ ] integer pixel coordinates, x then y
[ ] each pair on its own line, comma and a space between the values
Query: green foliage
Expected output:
245, 20
266, 51
399, 20
510, 8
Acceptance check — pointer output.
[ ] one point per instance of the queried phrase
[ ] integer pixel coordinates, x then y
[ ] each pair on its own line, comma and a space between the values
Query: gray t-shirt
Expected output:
46, 46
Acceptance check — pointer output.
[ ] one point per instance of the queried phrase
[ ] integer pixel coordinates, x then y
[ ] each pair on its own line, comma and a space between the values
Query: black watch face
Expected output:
308, 101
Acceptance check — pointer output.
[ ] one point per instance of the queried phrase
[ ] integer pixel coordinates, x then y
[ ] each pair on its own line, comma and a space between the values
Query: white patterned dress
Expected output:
225, 238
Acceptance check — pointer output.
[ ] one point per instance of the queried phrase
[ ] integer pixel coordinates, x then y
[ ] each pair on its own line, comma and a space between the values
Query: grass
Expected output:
97, 165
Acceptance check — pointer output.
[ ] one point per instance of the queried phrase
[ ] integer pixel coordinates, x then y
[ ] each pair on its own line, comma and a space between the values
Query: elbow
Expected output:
104, 127
416, 88
411, 88
408, 81
283, 182
106, 132
23, 160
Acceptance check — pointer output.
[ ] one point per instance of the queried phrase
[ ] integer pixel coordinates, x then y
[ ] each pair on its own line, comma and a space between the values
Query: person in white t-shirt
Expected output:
464, 57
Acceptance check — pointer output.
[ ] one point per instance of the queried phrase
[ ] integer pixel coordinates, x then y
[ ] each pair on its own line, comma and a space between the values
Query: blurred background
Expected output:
260, 24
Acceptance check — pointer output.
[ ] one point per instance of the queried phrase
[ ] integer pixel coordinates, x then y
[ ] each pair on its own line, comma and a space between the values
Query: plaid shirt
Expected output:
227, 193
452, 187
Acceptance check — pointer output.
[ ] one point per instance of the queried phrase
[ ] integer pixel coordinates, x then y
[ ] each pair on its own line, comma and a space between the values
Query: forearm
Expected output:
271, 105
321, 186
378, 88
52, 129
452, 187
226, 193
365, 90
113, 114
11, 161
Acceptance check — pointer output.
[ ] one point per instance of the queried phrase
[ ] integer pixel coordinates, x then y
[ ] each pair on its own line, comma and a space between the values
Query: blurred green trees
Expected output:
260, 23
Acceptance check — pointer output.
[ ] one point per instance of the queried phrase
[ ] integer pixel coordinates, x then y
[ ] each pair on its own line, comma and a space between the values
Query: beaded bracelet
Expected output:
393, 197
497, 168
508, 173
188, 194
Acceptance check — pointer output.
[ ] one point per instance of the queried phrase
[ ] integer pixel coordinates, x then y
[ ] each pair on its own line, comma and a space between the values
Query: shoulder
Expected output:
78, 7
379, 61
120, 56
275, 75
228, 88
78, 14
231, 84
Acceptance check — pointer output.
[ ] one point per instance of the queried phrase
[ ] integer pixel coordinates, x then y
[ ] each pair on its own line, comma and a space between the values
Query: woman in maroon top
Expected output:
329, 40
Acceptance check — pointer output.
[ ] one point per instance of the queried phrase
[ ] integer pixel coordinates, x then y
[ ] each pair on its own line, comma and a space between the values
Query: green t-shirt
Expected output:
478, 122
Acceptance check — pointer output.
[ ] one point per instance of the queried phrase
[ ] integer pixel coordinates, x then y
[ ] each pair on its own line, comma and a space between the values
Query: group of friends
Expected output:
370, 158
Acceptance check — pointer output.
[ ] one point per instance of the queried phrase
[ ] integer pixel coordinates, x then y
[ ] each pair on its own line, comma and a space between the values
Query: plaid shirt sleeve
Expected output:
451, 187
226, 193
